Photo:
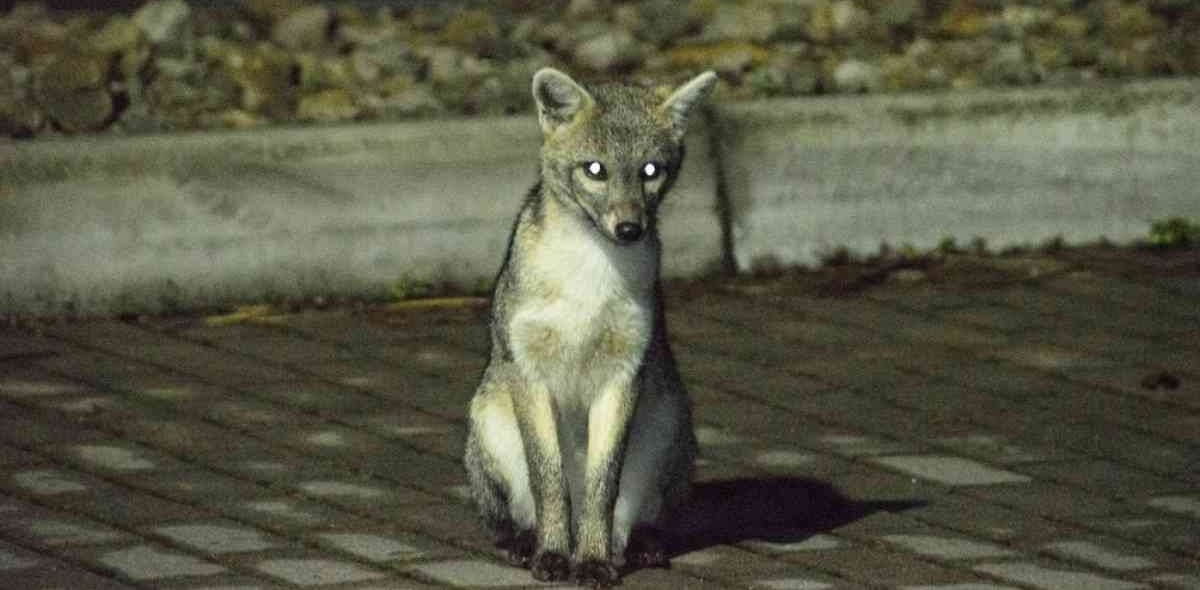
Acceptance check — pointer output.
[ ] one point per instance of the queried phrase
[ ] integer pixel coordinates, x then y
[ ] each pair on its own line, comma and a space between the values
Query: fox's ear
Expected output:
559, 98
677, 106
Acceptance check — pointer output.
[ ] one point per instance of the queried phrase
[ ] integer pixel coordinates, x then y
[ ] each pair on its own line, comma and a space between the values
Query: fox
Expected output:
580, 445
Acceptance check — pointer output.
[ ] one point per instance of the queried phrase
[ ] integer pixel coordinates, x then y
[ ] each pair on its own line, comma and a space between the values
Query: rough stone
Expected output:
733, 20
118, 35
855, 76
848, 20
163, 20
306, 28
71, 90
472, 30
326, 106
616, 48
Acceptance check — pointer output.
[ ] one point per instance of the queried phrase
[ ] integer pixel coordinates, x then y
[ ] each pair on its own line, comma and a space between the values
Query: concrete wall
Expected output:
99, 225
804, 177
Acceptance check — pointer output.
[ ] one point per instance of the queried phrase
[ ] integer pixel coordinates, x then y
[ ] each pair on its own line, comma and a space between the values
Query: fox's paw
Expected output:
549, 566
646, 549
518, 549
596, 573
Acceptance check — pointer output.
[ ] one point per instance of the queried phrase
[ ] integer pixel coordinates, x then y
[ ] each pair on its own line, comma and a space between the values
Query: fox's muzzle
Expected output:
628, 231
625, 223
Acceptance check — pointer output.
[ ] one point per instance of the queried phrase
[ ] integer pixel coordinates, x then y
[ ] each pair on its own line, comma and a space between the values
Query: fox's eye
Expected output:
650, 170
595, 170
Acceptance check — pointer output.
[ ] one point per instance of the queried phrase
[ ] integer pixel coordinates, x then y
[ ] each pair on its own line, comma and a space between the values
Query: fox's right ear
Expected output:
559, 98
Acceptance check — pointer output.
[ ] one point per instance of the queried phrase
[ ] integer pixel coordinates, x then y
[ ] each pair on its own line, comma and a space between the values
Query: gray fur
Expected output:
580, 430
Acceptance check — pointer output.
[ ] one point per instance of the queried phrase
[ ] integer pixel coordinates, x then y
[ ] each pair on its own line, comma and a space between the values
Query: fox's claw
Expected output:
596, 573
518, 549
550, 567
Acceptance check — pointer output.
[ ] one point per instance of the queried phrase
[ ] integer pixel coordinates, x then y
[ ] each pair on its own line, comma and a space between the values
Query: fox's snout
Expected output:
628, 231
625, 223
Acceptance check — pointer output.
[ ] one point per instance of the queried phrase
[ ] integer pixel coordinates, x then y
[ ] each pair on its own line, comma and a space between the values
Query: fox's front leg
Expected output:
539, 434
608, 421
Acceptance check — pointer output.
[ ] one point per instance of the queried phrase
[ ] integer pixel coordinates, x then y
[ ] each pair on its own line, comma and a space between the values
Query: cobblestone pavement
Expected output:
1005, 423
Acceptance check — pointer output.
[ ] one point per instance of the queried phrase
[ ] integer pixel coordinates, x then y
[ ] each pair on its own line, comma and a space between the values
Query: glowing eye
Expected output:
595, 170
650, 170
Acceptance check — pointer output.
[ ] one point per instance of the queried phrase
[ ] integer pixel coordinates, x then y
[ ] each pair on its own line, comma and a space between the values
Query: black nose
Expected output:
628, 231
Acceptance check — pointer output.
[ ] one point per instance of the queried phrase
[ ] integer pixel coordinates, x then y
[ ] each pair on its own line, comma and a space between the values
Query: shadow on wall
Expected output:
776, 510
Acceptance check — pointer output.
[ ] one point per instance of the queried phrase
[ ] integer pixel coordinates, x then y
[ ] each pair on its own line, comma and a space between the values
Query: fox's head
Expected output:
613, 152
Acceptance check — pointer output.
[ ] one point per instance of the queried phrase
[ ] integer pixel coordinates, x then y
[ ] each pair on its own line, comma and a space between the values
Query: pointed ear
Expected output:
677, 106
559, 98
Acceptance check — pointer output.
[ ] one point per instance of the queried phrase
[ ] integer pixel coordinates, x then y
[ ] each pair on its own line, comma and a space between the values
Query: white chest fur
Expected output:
588, 312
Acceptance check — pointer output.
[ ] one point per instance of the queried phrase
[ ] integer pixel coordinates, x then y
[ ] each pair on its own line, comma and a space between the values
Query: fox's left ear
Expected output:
559, 98
677, 106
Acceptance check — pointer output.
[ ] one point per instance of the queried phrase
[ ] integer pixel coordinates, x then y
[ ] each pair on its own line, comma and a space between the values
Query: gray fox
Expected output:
580, 441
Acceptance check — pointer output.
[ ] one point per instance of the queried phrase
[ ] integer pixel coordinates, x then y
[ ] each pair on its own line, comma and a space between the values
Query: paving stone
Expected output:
955, 471
872, 524
13, 558
145, 562
978, 445
1187, 505
441, 439
55, 575
47, 482
658, 578
966, 586
862, 446
284, 512
794, 584
55, 532
372, 547
1099, 556
1175, 533
867, 482
217, 538
472, 572
12, 457
1040, 576
113, 458
1052, 500
21, 388
117, 504
342, 489
818, 542
1180, 581
735, 565
217, 582
317, 572
711, 436
947, 547
201, 487
992, 448
374, 496
42, 429
783, 459
868, 565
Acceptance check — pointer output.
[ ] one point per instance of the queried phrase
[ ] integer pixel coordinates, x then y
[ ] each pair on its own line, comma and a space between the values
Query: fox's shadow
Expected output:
779, 510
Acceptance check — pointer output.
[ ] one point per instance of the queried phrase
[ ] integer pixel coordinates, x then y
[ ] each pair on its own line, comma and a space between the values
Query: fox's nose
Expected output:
628, 231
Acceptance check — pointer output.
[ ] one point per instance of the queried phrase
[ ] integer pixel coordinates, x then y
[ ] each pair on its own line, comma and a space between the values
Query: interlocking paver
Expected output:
975, 428
145, 562
947, 547
954, 471
317, 572
475, 572
1053, 578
